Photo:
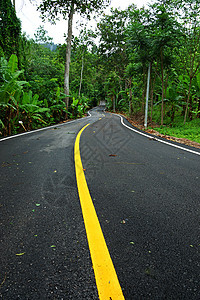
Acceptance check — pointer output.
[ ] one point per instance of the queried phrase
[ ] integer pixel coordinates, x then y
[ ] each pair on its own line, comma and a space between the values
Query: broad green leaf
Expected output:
13, 63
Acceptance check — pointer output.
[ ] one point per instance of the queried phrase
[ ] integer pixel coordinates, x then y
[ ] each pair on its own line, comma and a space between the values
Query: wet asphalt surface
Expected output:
147, 198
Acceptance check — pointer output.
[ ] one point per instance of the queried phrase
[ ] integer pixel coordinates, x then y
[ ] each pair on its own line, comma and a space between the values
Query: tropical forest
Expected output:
130, 55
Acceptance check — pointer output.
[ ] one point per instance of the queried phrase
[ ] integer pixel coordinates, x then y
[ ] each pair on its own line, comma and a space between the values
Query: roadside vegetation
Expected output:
190, 130
109, 63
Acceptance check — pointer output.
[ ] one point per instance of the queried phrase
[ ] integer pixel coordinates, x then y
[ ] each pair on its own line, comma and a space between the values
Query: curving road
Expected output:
146, 195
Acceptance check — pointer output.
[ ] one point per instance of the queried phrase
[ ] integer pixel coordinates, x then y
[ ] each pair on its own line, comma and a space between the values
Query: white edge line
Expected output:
45, 128
158, 140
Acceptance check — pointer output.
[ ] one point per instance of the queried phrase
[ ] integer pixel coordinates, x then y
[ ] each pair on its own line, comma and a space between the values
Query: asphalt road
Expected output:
146, 196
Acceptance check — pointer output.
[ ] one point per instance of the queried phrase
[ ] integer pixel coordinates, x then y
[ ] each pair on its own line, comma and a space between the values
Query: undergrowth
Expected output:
190, 131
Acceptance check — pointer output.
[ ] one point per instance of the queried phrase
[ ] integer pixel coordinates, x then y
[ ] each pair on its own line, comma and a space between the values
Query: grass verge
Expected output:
190, 131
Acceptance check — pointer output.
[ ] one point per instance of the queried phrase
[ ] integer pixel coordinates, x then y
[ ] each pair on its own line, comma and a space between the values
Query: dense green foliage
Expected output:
52, 9
166, 35
10, 29
109, 64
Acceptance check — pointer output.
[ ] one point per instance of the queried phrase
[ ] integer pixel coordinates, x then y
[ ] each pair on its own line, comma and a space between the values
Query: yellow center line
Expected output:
106, 278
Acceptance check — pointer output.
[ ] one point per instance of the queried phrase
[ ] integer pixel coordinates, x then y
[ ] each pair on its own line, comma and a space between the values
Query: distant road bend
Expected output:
96, 209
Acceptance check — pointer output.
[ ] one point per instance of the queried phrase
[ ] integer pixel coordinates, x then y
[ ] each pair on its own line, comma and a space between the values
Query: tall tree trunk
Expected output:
188, 99
130, 98
144, 89
162, 77
152, 91
165, 92
198, 114
68, 55
9, 122
114, 106
79, 93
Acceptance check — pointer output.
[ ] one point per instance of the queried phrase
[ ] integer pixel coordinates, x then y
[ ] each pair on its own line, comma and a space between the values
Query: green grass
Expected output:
190, 131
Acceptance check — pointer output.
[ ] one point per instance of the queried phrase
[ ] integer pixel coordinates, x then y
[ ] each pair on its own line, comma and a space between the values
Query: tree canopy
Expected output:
10, 29
52, 9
